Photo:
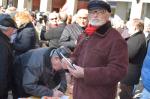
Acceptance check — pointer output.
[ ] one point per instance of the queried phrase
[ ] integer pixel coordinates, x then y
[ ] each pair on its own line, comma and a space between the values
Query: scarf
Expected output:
90, 30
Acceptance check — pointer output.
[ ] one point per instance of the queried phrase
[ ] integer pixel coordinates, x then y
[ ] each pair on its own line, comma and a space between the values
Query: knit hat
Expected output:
7, 21
96, 4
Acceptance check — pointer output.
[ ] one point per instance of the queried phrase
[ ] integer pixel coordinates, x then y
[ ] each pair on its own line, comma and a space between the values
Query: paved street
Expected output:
136, 96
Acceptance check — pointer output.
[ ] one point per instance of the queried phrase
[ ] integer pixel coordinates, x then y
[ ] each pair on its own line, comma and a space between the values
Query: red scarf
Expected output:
90, 30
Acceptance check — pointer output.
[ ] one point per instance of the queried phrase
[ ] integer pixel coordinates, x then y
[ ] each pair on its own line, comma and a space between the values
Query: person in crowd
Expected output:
100, 58
120, 26
7, 27
11, 11
53, 34
62, 18
69, 19
147, 32
2, 10
26, 38
39, 72
41, 21
52, 23
136, 52
33, 18
72, 31
145, 75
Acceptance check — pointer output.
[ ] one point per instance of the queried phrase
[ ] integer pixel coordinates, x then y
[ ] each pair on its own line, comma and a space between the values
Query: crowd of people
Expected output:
40, 51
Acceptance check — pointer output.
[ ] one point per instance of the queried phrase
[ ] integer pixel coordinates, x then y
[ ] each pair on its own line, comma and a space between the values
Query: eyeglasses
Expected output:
97, 12
53, 19
84, 18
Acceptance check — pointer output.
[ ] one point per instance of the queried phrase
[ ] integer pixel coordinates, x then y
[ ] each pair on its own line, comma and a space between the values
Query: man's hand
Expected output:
65, 64
78, 72
57, 93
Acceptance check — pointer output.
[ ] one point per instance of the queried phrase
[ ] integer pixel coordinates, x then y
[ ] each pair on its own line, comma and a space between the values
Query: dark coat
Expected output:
70, 35
104, 59
34, 73
6, 59
25, 39
136, 51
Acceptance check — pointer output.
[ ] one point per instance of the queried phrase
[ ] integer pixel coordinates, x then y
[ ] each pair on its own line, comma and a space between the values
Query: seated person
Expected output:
38, 72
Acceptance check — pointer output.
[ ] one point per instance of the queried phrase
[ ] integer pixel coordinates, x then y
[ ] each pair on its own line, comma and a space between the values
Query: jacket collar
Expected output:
47, 62
25, 25
4, 36
136, 33
81, 28
102, 30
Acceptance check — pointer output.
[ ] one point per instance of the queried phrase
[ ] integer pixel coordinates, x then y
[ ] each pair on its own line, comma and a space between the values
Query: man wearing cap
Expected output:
38, 72
100, 58
7, 26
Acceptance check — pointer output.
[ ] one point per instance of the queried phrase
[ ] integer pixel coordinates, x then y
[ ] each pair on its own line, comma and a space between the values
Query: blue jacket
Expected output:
146, 70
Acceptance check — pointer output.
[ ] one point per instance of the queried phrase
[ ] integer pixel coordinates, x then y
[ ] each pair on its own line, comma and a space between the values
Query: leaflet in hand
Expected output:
70, 64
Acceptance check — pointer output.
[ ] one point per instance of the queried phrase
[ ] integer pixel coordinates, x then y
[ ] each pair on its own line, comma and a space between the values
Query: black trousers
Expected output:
126, 91
4, 96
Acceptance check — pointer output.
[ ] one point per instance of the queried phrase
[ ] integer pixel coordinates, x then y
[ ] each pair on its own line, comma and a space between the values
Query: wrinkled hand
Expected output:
57, 93
78, 72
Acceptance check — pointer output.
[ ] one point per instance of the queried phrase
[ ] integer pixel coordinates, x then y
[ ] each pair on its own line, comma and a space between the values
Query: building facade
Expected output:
121, 9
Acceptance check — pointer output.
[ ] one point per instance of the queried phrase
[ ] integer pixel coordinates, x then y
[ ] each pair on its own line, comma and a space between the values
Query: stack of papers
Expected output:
64, 97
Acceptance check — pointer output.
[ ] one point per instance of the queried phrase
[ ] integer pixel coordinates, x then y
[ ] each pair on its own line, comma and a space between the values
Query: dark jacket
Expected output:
35, 74
104, 59
6, 59
136, 51
70, 35
53, 35
25, 39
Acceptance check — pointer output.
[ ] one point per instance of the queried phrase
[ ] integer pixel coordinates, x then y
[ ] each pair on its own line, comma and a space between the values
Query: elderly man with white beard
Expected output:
100, 58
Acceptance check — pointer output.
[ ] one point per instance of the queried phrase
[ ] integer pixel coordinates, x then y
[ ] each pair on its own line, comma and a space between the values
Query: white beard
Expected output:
97, 22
